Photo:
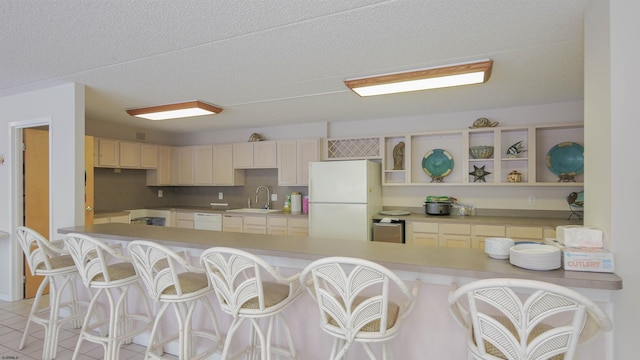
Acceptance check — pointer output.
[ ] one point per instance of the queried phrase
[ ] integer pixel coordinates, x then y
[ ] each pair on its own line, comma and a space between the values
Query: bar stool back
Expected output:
248, 287
359, 301
50, 260
171, 280
113, 281
501, 324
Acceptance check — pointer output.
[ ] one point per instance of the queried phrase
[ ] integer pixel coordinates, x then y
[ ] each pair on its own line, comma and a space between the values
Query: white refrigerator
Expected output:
343, 197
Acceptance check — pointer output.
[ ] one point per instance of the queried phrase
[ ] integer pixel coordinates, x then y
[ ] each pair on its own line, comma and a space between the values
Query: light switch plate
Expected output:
220, 196
274, 197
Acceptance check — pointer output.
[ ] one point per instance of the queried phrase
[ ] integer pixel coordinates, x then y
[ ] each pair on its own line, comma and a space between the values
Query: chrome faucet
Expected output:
268, 202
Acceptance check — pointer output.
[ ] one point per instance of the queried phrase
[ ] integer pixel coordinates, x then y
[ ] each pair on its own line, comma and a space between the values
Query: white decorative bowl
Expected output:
497, 247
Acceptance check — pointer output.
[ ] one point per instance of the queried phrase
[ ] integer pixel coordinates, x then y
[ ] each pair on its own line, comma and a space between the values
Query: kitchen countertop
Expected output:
454, 262
485, 220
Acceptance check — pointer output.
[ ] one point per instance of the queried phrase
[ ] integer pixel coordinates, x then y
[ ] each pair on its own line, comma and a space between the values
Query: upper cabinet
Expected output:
162, 175
294, 157
223, 172
542, 155
259, 154
125, 154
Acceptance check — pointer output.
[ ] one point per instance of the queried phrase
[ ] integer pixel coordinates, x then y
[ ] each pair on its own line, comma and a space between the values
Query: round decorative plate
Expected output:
395, 212
566, 158
437, 162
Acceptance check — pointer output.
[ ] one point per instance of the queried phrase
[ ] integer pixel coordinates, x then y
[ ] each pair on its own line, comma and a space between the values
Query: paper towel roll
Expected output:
296, 203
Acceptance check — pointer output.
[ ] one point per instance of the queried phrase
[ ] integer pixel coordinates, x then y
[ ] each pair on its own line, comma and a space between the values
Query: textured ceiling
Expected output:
283, 61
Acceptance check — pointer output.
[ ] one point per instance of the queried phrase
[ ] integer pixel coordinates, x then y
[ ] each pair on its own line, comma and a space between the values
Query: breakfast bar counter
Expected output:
430, 332
454, 262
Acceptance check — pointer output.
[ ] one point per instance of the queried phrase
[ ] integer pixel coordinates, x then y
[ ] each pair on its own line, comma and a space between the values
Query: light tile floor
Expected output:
13, 318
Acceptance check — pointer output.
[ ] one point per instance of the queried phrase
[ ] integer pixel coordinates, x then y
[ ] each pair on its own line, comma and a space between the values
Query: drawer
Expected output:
524, 232
458, 229
298, 222
255, 220
276, 221
425, 227
489, 230
181, 215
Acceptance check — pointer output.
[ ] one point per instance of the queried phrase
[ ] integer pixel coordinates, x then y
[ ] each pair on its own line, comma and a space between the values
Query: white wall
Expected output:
611, 98
63, 108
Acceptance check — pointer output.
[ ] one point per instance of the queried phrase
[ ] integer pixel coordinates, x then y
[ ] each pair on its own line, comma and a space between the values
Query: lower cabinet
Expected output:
184, 219
112, 219
262, 224
470, 235
232, 223
277, 225
423, 233
454, 235
525, 233
480, 232
298, 226
254, 224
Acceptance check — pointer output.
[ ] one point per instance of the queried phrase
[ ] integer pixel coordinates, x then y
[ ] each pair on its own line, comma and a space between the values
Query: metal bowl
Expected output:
481, 152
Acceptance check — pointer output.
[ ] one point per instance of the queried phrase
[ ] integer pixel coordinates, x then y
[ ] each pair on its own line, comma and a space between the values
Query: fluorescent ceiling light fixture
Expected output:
431, 78
174, 111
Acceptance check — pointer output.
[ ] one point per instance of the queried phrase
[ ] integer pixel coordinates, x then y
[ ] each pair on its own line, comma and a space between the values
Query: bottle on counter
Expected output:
305, 204
287, 205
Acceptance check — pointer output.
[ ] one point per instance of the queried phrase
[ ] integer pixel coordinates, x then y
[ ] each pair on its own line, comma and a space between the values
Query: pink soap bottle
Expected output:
305, 204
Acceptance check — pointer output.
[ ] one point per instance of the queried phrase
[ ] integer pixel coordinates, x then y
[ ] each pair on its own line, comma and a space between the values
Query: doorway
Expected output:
35, 192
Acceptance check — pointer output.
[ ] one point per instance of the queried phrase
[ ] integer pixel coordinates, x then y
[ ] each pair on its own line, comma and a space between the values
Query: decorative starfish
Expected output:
479, 173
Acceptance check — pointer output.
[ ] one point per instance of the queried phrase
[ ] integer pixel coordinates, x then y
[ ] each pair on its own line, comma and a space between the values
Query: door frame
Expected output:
16, 157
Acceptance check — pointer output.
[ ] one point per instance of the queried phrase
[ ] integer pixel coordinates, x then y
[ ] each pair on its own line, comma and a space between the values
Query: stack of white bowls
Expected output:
498, 247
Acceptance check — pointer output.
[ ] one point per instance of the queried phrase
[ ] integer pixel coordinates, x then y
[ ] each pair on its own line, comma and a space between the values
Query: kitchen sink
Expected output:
254, 211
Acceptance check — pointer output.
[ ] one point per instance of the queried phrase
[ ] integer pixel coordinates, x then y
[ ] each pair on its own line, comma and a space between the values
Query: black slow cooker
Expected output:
437, 205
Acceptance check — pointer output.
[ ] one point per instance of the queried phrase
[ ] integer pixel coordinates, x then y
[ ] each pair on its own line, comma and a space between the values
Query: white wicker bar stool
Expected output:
112, 276
546, 321
248, 287
359, 301
172, 281
50, 260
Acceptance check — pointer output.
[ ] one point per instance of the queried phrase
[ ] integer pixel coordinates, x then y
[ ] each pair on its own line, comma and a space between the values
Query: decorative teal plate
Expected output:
437, 163
566, 158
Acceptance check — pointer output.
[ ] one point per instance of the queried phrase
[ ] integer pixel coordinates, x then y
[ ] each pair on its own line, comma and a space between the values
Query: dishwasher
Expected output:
388, 231
207, 221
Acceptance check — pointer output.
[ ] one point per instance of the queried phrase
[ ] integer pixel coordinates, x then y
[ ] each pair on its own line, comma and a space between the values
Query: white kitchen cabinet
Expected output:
149, 156
232, 223
294, 157
203, 165
259, 154
224, 173
161, 176
298, 226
